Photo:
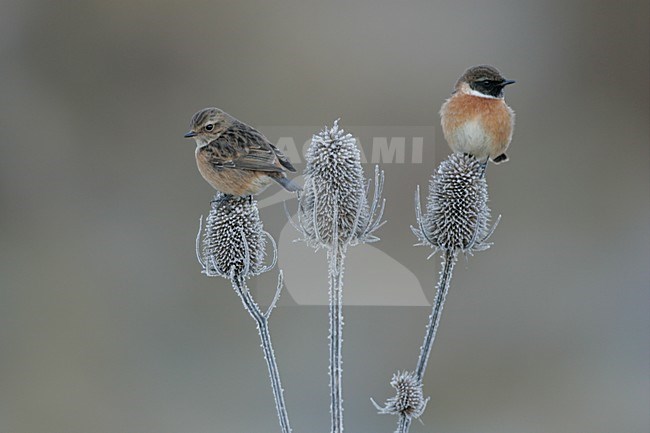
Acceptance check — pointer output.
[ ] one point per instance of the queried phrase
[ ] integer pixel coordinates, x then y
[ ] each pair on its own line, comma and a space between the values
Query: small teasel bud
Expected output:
334, 208
234, 240
457, 214
409, 400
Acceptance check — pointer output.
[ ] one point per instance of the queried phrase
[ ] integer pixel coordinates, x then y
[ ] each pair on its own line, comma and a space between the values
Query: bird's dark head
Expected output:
483, 80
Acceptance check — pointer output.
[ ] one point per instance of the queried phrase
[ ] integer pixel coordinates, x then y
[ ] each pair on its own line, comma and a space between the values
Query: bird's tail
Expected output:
287, 183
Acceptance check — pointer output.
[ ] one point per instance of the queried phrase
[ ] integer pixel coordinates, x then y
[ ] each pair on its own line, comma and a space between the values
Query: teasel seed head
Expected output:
409, 400
334, 209
457, 215
234, 241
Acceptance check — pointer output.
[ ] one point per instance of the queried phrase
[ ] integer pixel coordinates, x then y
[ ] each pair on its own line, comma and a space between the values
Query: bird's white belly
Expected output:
471, 138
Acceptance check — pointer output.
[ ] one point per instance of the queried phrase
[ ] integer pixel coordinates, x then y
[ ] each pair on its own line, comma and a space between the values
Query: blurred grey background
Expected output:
107, 325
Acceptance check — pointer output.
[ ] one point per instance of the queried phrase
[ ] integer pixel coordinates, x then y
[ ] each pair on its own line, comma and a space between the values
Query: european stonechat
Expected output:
235, 158
475, 119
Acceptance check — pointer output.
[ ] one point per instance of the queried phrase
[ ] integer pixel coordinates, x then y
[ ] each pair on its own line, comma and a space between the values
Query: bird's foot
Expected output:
484, 167
222, 198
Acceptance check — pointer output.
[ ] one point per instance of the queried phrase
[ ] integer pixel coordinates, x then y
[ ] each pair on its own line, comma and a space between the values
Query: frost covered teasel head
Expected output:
457, 215
234, 240
334, 212
409, 400
232, 246
334, 209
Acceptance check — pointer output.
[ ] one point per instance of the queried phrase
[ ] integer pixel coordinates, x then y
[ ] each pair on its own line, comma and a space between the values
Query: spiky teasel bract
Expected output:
457, 214
334, 208
234, 240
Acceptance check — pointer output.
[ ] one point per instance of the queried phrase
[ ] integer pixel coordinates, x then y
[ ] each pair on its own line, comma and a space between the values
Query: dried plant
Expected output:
334, 212
456, 221
234, 240
233, 246
457, 214
409, 400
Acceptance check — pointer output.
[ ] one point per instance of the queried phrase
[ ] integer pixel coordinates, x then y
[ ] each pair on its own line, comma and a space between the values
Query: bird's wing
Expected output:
259, 143
243, 148
283, 159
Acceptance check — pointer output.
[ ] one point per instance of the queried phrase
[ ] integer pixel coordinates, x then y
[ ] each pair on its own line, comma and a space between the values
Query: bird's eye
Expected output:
485, 82
209, 127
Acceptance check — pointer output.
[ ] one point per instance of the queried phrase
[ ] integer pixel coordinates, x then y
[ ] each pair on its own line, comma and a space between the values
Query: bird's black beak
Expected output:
506, 82
190, 134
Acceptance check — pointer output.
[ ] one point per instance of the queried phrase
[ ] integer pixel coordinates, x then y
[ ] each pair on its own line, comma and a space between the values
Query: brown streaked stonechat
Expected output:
475, 119
235, 158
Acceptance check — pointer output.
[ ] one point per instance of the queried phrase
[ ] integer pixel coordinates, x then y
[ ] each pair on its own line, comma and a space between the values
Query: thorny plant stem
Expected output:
403, 424
263, 328
449, 260
335, 259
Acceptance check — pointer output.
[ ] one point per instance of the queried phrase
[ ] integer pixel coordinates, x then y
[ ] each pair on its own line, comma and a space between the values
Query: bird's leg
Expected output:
484, 166
222, 197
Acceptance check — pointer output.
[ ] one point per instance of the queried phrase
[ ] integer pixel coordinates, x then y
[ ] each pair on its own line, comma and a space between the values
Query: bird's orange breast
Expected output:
495, 117
229, 180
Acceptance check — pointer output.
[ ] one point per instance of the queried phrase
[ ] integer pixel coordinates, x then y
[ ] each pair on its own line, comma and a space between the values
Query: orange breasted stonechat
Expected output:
476, 119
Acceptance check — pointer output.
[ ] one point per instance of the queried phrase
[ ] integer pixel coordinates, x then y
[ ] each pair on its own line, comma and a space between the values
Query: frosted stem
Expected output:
403, 424
335, 258
269, 356
448, 262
